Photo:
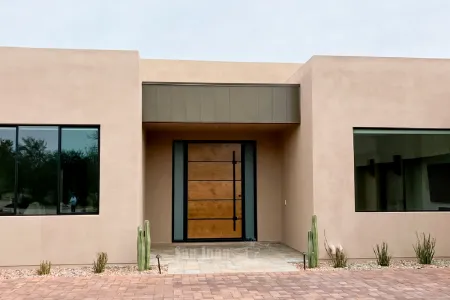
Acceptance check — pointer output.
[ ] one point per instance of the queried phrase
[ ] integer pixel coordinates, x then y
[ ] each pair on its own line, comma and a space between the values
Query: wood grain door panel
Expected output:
210, 209
213, 171
213, 152
210, 229
211, 190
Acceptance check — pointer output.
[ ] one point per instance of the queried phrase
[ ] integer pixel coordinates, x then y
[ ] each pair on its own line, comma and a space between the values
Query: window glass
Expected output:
46, 170
7, 169
79, 170
37, 170
402, 170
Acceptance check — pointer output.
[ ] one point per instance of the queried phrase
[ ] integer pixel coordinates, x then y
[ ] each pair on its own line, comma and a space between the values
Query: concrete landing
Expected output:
208, 258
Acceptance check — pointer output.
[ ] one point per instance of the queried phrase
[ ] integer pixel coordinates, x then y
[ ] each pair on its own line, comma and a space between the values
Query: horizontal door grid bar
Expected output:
212, 199
209, 219
400, 131
213, 161
208, 180
221, 84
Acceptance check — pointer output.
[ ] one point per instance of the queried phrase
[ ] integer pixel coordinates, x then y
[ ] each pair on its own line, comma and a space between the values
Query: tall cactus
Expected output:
140, 249
143, 247
313, 245
315, 241
147, 244
310, 250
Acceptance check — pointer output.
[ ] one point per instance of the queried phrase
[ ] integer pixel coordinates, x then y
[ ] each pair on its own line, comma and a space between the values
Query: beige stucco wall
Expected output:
158, 183
297, 184
372, 92
160, 70
41, 86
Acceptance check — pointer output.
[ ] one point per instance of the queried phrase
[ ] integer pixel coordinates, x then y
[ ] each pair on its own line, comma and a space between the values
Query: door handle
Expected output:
234, 191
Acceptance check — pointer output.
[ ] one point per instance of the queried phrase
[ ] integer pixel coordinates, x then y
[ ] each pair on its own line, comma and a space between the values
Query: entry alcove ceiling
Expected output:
221, 103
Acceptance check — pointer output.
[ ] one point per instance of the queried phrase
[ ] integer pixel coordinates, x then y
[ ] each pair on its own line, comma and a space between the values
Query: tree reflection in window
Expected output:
40, 172
79, 170
37, 171
7, 169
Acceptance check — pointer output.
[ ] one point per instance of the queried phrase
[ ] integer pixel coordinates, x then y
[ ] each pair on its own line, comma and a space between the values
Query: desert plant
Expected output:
425, 249
100, 263
382, 255
313, 244
44, 268
143, 247
147, 241
140, 249
336, 254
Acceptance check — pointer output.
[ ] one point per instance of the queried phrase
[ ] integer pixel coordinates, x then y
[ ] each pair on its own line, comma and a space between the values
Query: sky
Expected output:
232, 30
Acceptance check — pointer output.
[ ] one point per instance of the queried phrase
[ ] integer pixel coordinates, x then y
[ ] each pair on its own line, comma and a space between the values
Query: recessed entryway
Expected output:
214, 191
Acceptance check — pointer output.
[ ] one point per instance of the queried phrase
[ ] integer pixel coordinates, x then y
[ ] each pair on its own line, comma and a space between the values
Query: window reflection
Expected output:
37, 171
7, 169
47, 170
79, 170
402, 170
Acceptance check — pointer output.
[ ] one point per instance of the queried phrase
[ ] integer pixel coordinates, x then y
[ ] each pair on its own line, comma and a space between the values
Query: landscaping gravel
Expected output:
372, 265
113, 270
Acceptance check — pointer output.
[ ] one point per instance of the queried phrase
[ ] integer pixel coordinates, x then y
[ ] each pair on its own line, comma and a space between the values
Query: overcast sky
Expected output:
232, 30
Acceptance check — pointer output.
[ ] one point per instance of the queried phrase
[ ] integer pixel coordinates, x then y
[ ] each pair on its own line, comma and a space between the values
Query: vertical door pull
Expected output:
234, 191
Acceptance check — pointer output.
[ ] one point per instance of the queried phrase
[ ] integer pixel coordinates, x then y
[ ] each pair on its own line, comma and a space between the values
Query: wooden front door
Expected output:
214, 191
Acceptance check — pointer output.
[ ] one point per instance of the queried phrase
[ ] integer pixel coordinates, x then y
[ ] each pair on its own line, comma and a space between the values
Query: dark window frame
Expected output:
59, 192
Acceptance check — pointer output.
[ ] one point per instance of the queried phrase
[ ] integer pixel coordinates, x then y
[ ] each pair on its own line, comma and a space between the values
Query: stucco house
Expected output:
94, 142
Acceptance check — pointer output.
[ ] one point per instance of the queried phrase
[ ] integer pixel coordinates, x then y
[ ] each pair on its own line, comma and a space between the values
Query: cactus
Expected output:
140, 249
147, 244
315, 241
313, 245
143, 247
310, 250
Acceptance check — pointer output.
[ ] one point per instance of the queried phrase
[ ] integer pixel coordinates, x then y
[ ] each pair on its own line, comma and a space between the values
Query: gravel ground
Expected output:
372, 265
78, 272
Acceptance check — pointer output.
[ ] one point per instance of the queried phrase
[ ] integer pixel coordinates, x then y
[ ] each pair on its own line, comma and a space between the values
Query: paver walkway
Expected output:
227, 257
378, 284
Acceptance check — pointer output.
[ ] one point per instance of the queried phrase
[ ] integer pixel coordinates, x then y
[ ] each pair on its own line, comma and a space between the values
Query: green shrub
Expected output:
100, 263
336, 254
44, 268
425, 249
382, 255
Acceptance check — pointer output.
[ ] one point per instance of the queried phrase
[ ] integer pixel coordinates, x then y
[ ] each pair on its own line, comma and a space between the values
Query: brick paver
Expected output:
379, 284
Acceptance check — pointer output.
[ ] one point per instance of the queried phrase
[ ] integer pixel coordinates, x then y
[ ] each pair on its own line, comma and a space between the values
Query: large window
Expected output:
402, 170
49, 170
